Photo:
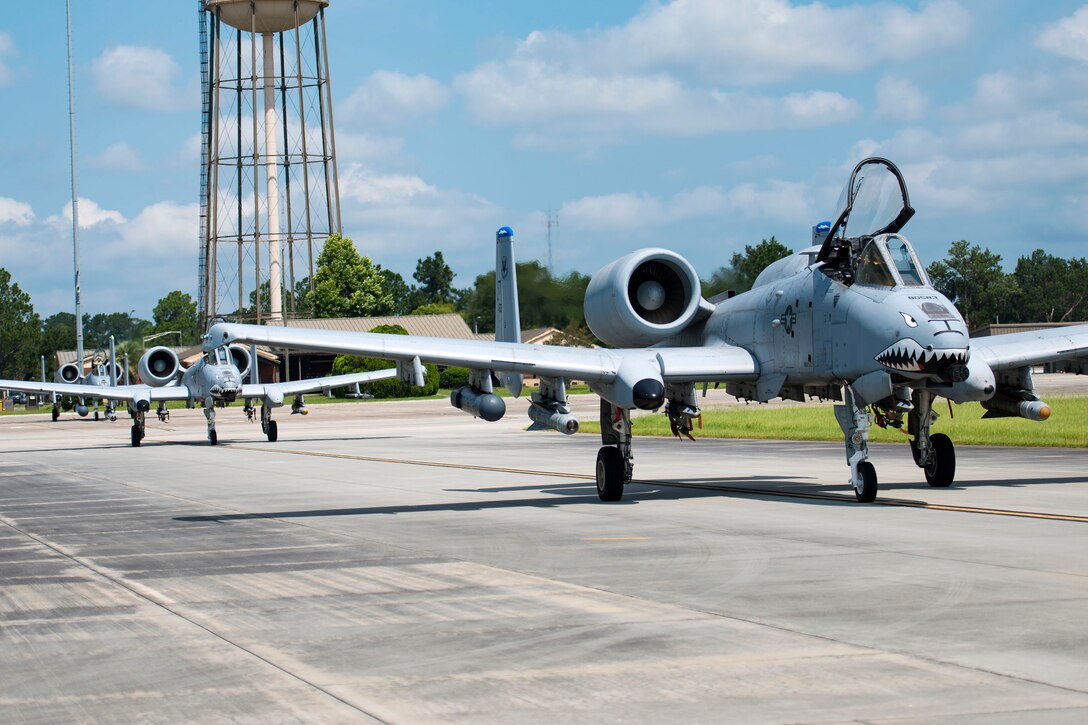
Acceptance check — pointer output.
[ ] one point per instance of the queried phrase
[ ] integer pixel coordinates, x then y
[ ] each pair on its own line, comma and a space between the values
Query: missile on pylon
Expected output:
563, 422
477, 403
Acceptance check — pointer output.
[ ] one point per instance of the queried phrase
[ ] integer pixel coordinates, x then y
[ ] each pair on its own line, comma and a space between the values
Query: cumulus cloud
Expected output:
7, 49
390, 97
144, 78
755, 41
571, 104
781, 200
164, 230
398, 218
1067, 37
18, 213
90, 215
897, 99
120, 156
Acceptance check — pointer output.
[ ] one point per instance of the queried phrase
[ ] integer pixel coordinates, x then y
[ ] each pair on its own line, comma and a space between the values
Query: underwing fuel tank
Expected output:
477, 403
563, 422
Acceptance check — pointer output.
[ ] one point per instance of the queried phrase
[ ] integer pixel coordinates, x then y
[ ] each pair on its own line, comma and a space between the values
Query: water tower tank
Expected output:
265, 16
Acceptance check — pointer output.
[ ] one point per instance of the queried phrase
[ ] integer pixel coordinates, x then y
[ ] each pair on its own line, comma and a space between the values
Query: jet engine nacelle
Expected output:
241, 359
642, 298
159, 366
69, 373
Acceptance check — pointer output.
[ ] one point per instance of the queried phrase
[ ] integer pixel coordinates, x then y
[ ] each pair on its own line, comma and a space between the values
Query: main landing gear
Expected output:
935, 453
614, 466
56, 412
268, 426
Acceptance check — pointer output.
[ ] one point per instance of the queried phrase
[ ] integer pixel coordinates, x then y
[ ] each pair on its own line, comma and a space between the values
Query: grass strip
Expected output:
1065, 428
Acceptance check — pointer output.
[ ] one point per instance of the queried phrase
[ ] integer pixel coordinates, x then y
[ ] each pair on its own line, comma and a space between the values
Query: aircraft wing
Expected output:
595, 365
1020, 349
108, 392
313, 385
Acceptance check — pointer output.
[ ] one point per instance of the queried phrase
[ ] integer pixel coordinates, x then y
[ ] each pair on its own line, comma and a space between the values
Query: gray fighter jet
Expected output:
853, 319
104, 372
214, 381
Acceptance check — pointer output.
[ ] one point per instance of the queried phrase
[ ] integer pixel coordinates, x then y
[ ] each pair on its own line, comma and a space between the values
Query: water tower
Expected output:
268, 169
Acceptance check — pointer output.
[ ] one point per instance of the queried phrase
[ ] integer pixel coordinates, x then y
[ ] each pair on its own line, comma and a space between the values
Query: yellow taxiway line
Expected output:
903, 503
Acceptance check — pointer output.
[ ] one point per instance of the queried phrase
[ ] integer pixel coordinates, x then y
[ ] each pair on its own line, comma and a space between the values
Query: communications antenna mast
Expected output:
551, 223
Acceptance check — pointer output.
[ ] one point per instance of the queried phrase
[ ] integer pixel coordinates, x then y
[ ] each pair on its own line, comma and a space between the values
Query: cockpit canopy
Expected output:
219, 356
889, 261
874, 203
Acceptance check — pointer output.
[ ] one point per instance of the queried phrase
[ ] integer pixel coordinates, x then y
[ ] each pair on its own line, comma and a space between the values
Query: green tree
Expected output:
177, 311
543, 300
403, 297
435, 280
972, 278
20, 332
1049, 289
58, 333
122, 325
435, 308
747, 266
346, 284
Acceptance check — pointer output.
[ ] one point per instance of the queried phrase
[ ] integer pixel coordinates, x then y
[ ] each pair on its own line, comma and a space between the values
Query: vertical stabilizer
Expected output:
507, 314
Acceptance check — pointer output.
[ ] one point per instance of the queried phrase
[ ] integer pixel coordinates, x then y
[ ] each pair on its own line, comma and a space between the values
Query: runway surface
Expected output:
406, 563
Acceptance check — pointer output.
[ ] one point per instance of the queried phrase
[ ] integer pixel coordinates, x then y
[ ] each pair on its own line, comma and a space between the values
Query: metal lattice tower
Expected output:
269, 186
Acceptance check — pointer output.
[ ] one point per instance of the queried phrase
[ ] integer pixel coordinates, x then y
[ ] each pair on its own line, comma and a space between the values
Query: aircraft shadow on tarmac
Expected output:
566, 495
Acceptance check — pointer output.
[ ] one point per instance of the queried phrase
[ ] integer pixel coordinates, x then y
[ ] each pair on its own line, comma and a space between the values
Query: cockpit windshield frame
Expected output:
878, 267
857, 189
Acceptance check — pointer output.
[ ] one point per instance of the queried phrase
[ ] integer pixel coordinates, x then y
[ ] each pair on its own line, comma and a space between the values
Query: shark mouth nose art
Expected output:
910, 357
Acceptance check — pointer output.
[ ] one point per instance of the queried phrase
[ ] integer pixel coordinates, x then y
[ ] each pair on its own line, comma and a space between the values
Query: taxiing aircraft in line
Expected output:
213, 381
854, 319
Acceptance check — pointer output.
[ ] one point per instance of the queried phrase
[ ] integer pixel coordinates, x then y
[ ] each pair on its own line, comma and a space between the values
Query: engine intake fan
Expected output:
642, 298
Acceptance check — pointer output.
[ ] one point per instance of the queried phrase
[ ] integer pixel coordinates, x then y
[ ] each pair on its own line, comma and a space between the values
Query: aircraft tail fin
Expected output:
507, 313
113, 364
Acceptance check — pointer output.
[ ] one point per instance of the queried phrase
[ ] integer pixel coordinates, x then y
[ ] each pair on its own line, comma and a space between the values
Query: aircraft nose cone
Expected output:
648, 394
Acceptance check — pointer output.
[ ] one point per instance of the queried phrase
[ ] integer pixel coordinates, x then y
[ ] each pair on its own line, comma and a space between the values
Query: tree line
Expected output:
1041, 288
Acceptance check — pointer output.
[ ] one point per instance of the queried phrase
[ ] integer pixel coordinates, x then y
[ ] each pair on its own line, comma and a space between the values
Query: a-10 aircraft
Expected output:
214, 381
104, 372
853, 320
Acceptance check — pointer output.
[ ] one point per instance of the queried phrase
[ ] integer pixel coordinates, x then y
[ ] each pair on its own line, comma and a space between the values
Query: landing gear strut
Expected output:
933, 453
268, 426
138, 429
56, 412
854, 421
614, 466
162, 412
209, 413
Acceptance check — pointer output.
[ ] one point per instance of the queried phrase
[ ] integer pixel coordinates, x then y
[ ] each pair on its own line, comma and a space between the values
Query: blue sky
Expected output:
700, 126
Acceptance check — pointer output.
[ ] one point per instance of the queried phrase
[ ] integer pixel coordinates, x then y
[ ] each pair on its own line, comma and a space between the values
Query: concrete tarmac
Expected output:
404, 563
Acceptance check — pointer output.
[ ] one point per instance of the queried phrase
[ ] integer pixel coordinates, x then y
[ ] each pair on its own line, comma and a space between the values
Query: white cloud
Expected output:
144, 78
90, 214
164, 229
120, 156
756, 41
1067, 37
573, 104
7, 48
897, 99
366, 147
398, 218
389, 97
781, 200
15, 212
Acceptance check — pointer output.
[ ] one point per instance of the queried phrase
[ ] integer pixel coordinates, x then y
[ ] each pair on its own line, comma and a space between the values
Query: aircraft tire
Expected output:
96, 415
867, 492
136, 437
213, 437
56, 413
941, 470
609, 474
273, 431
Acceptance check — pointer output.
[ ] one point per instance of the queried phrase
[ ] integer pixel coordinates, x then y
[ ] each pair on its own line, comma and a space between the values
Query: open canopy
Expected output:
873, 202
